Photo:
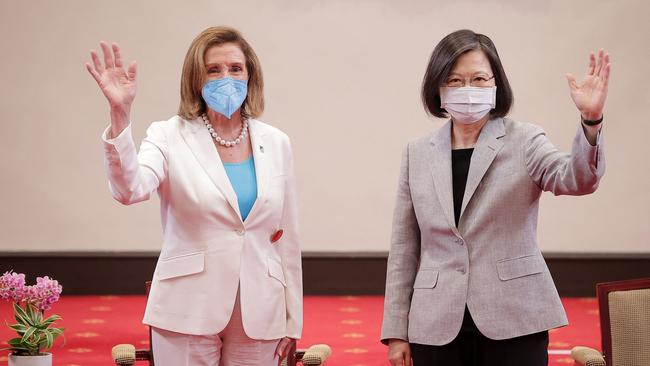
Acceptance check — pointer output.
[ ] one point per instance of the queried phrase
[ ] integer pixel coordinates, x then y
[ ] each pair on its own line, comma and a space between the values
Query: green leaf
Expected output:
47, 322
19, 310
52, 317
14, 342
21, 315
21, 319
39, 315
28, 334
32, 344
29, 310
17, 345
20, 328
49, 340
15, 348
31, 336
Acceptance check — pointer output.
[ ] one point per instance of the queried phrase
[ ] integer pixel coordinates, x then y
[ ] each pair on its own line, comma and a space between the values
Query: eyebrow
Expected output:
236, 63
474, 74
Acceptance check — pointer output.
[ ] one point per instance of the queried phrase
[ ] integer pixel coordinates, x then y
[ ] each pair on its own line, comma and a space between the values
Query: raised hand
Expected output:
119, 86
589, 97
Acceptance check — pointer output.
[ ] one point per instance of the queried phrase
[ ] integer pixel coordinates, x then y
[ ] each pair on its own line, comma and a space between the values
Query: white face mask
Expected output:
468, 104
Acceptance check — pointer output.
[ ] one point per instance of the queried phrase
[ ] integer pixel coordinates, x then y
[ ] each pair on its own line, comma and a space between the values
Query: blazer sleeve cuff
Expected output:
121, 140
294, 330
394, 327
386, 338
593, 153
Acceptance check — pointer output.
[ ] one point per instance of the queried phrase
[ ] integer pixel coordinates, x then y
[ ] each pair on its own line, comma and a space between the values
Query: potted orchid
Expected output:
36, 333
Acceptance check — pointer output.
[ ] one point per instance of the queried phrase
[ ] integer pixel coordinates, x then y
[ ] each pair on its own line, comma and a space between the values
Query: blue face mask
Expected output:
225, 95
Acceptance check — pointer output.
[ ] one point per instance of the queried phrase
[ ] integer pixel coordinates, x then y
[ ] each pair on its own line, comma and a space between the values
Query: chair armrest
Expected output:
316, 355
123, 354
587, 356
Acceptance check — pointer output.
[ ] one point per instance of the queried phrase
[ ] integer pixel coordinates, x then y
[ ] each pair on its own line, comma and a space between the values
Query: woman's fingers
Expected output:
402, 358
592, 64
112, 59
572, 81
401, 361
118, 55
605, 74
93, 73
108, 55
283, 349
98, 65
132, 71
606, 68
599, 64
407, 359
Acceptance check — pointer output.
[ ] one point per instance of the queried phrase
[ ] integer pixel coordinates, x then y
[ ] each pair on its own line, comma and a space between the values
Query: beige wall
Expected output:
342, 80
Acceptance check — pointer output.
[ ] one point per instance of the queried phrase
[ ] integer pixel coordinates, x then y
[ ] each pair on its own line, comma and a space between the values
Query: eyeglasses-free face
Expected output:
225, 60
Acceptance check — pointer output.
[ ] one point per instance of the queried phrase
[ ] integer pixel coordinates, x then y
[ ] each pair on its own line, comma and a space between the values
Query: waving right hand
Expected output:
119, 86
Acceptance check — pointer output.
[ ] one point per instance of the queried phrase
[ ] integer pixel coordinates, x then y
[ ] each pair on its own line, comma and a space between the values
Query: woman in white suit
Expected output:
227, 289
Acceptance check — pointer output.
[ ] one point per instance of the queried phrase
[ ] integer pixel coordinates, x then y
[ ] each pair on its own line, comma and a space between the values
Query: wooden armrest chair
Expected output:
624, 308
127, 354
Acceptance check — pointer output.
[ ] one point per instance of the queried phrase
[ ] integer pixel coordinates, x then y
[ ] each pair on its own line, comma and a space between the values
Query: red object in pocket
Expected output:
277, 235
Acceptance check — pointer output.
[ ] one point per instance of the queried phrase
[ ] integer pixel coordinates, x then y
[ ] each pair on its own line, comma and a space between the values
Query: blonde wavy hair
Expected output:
195, 74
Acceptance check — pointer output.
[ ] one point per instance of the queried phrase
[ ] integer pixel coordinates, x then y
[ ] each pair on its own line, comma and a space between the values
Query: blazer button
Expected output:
240, 232
460, 241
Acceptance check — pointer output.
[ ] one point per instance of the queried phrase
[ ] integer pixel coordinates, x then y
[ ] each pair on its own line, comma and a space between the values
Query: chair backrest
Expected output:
625, 321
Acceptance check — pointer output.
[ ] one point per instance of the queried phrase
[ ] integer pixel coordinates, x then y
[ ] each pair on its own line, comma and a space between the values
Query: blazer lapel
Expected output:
200, 142
260, 157
441, 171
486, 149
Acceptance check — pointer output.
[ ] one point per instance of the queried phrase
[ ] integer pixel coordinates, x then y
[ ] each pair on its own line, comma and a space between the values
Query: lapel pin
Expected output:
276, 235
261, 148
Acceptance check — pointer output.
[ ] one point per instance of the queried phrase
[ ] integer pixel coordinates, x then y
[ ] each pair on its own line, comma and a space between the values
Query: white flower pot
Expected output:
41, 360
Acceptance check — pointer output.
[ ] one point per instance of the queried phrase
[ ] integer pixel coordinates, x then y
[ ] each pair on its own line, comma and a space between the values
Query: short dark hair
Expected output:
444, 57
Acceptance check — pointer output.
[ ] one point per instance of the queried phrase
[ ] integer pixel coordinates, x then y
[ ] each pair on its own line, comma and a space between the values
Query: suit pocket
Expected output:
511, 268
181, 265
426, 278
275, 271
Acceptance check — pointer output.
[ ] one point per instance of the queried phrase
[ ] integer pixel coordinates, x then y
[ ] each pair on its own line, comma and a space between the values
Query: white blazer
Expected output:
207, 250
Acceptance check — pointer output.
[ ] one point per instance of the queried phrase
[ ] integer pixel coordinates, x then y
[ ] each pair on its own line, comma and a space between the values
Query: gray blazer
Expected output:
491, 262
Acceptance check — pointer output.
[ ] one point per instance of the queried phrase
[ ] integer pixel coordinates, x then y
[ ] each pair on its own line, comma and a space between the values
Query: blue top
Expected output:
243, 181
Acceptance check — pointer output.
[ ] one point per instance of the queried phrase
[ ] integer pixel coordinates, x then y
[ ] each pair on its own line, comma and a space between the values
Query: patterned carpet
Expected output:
349, 324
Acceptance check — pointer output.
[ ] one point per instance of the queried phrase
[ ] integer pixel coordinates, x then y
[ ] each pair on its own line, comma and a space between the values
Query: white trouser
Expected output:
231, 347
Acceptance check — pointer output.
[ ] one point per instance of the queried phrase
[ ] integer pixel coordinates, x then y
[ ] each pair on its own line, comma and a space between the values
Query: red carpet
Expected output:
350, 325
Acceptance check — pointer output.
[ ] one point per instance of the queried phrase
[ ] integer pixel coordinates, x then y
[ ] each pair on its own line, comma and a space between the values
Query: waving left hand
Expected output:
589, 97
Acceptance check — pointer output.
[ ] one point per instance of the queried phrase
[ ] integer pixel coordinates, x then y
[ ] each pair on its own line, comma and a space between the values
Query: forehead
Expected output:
226, 53
471, 62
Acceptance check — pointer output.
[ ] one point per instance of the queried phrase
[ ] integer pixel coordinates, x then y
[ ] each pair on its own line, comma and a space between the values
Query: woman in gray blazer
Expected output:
466, 282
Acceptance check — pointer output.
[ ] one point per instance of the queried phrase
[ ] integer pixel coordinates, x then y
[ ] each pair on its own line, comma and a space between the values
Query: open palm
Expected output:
589, 97
119, 86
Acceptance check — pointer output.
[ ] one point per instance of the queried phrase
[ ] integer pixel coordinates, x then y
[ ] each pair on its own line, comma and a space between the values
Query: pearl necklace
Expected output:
219, 140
